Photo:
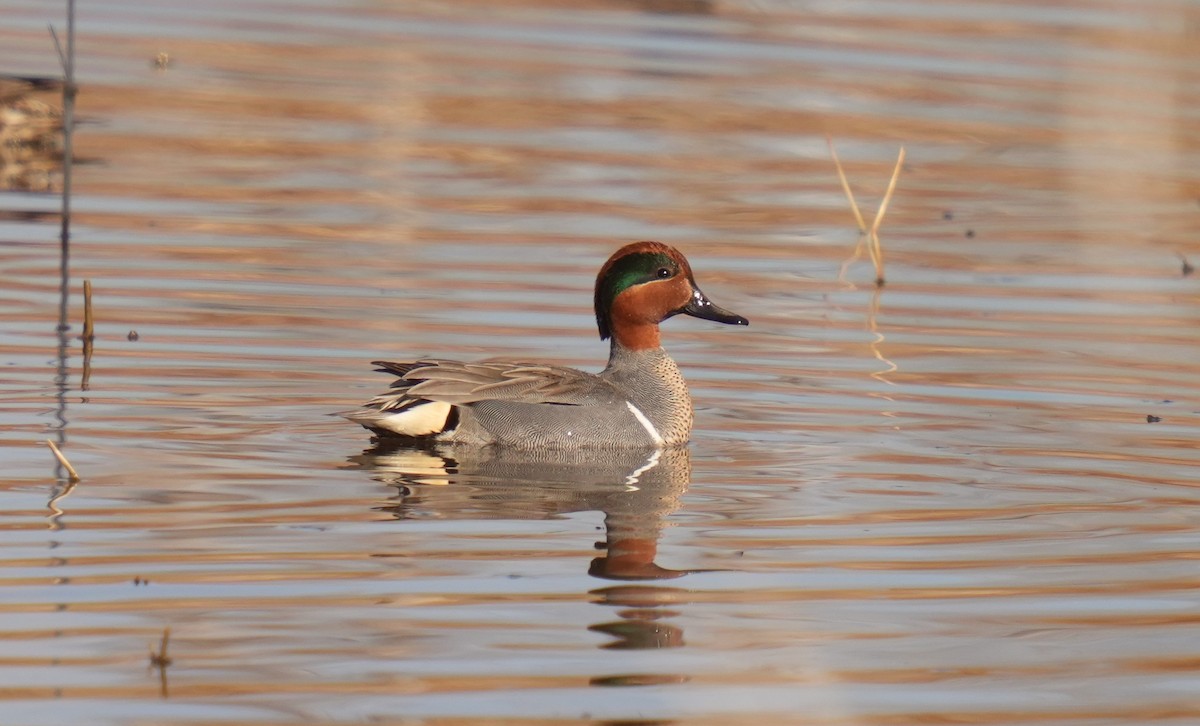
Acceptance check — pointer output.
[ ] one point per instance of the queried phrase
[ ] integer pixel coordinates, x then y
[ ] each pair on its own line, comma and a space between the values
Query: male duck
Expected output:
638, 401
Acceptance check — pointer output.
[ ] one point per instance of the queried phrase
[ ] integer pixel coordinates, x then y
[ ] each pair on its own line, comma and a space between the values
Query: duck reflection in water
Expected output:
635, 490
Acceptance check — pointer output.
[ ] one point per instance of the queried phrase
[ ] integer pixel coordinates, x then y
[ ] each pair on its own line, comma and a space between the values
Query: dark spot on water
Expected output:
677, 7
947, 215
1153, 419
970, 234
133, 335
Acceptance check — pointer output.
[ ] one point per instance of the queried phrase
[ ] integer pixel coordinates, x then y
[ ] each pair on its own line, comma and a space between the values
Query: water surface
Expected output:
967, 497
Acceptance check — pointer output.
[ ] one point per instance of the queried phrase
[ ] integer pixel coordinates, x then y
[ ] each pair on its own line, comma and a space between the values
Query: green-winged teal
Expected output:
638, 401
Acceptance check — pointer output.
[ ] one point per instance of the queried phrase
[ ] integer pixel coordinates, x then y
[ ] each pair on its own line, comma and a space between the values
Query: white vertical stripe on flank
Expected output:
645, 422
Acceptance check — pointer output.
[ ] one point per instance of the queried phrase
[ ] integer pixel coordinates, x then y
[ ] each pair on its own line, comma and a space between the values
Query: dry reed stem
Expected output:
89, 330
89, 335
70, 90
862, 224
868, 236
875, 250
161, 659
62, 459
887, 195
875, 246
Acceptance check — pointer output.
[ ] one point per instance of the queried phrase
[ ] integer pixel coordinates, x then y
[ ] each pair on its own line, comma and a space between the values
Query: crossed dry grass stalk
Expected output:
869, 236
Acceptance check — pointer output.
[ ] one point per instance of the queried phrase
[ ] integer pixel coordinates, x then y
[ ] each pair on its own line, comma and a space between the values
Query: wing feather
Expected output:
460, 383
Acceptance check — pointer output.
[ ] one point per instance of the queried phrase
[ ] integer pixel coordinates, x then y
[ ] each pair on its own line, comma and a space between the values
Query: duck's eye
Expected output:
664, 273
